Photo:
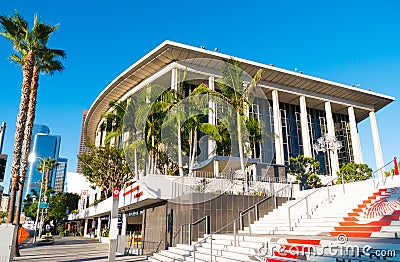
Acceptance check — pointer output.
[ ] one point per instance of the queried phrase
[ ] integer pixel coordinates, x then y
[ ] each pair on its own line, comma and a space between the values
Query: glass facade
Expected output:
43, 145
291, 132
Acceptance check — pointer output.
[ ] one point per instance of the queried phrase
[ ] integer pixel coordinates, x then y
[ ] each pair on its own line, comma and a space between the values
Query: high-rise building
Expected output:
82, 147
59, 179
4, 202
43, 145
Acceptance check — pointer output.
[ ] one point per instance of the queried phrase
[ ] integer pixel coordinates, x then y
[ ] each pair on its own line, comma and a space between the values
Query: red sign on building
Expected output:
115, 192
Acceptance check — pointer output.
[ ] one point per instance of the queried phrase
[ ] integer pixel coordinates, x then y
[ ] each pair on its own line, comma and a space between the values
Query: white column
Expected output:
212, 117
333, 155
98, 227
355, 139
377, 144
305, 133
174, 79
174, 86
280, 159
124, 223
85, 229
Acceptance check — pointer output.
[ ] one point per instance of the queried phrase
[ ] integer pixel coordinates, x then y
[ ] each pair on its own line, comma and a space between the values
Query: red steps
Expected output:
373, 223
352, 226
292, 248
350, 233
359, 228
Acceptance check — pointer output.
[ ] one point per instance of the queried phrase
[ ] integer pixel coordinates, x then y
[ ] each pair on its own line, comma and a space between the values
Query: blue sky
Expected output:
351, 42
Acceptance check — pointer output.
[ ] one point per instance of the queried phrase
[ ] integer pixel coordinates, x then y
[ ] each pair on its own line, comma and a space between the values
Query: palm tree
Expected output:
27, 43
237, 93
46, 165
45, 63
115, 119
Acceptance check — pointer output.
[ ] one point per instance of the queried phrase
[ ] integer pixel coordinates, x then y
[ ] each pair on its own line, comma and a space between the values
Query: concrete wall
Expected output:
164, 222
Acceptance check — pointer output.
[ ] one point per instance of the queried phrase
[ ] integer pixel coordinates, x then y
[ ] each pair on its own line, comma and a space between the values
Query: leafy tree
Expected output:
3, 214
105, 167
314, 181
303, 167
389, 173
30, 45
60, 203
352, 172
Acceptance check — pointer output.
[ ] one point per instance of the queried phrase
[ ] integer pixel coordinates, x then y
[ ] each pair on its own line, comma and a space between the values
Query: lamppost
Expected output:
328, 143
32, 159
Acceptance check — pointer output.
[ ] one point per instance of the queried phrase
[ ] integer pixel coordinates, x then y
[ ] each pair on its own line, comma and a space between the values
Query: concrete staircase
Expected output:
320, 230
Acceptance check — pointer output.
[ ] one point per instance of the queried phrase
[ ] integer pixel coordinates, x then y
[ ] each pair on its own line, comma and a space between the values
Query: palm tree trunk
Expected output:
27, 140
46, 185
240, 143
27, 70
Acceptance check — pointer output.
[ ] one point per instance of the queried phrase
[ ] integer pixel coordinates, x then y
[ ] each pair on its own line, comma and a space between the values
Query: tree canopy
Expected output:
304, 167
352, 172
105, 167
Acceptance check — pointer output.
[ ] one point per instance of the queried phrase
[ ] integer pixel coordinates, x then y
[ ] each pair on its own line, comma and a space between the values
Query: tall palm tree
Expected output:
46, 165
236, 92
46, 63
27, 43
115, 118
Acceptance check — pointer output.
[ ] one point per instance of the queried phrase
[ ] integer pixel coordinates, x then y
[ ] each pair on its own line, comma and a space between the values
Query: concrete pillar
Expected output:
355, 139
174, 79
212, 118
124, 223
330, 126
305, 132
377, 145
280, 159
98, 227
85, 229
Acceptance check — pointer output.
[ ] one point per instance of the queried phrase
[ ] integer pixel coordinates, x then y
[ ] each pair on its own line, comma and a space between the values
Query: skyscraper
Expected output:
82, 147
59, 179
43, 145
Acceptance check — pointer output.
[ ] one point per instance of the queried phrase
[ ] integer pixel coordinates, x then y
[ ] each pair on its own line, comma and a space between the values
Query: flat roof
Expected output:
169, 51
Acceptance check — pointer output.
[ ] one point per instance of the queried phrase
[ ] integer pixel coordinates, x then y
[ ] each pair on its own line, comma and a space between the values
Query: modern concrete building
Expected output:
304, 114
297, 108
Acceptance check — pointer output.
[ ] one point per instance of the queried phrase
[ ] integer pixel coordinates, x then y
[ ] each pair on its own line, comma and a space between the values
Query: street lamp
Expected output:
328, 143
32, 158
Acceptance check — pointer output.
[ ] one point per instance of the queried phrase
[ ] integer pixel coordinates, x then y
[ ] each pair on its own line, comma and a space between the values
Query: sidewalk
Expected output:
70, 249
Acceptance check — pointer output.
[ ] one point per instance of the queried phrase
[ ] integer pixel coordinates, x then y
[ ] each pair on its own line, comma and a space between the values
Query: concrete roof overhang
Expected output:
273, 77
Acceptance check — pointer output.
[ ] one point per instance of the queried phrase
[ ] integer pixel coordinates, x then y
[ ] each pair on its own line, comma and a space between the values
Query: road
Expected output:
70, 249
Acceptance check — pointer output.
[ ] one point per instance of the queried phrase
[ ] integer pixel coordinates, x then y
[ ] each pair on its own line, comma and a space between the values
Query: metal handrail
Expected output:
207, 228
383, 178
255, 206
234, 226
327, 185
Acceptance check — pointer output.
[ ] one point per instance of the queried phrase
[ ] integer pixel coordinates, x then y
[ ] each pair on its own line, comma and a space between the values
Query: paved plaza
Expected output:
70, 249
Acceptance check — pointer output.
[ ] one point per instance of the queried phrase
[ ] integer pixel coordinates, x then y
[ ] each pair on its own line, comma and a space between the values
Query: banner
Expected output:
82, 202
